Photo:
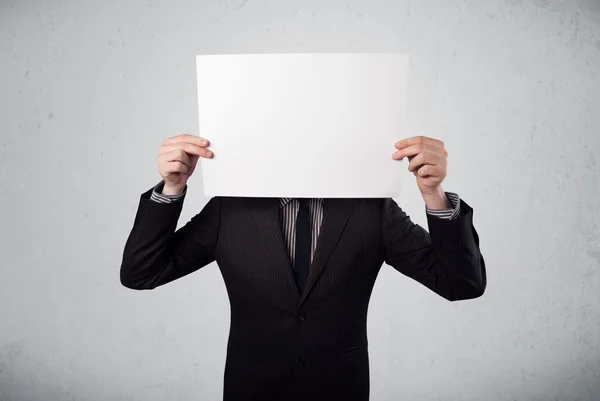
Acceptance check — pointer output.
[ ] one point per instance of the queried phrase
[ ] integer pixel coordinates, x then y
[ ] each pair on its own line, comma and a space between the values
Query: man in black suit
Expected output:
299, 272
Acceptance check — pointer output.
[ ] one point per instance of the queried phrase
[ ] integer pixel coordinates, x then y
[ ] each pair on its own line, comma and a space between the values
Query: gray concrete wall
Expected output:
89, 90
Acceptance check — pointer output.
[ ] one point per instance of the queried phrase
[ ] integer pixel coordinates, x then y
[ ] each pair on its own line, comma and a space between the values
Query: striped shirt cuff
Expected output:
447, 214
157, 195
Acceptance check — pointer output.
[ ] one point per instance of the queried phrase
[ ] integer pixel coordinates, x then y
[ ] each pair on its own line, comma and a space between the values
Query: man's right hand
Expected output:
177, 158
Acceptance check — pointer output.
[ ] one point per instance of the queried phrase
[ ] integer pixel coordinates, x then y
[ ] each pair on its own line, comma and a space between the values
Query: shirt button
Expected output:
301, 317
299, 363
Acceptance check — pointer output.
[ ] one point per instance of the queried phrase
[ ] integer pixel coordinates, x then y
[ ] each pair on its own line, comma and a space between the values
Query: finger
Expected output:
187, 147
176, 155
419, 140
414, 150
410, 151
176, 167
187, 138
426, 158
194, 160
428, 170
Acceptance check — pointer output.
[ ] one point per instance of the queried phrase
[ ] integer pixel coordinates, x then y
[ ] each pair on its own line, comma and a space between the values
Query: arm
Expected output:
449, 214
158, 195
156, 254
447, 260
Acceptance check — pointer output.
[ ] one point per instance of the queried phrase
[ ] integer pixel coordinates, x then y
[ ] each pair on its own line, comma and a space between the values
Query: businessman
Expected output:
299, 272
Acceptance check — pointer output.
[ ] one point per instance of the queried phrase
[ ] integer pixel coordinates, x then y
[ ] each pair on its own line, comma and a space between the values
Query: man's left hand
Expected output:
428, 161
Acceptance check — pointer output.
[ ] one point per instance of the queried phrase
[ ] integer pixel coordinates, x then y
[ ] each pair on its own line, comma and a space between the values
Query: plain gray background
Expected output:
89, 90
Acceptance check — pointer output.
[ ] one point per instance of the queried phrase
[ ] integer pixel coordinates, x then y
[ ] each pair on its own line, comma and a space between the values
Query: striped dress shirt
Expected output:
289, 210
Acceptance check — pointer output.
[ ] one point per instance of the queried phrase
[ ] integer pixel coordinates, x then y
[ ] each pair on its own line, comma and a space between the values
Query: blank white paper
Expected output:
302, 125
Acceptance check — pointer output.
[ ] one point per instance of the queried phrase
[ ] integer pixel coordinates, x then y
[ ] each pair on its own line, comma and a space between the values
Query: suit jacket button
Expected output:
299, 363
301, 317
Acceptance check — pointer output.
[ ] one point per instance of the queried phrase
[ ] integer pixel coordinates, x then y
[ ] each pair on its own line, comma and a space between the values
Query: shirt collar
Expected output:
284, 201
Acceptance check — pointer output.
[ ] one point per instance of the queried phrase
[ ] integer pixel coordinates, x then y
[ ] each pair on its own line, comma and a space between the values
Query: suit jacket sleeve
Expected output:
446, 260
155, 253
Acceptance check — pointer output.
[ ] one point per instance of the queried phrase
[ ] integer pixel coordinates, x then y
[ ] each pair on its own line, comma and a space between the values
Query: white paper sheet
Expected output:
302, 125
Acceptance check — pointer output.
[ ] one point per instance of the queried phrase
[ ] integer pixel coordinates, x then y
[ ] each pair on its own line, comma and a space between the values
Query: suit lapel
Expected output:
335, 216
267, 215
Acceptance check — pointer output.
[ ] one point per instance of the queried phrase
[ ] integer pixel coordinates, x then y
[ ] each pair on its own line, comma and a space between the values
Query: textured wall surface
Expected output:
89, 90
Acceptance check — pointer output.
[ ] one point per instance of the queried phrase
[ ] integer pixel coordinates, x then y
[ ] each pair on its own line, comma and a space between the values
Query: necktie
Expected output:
302, 256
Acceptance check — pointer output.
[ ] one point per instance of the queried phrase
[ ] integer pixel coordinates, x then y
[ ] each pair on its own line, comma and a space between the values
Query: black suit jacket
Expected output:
286, 345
